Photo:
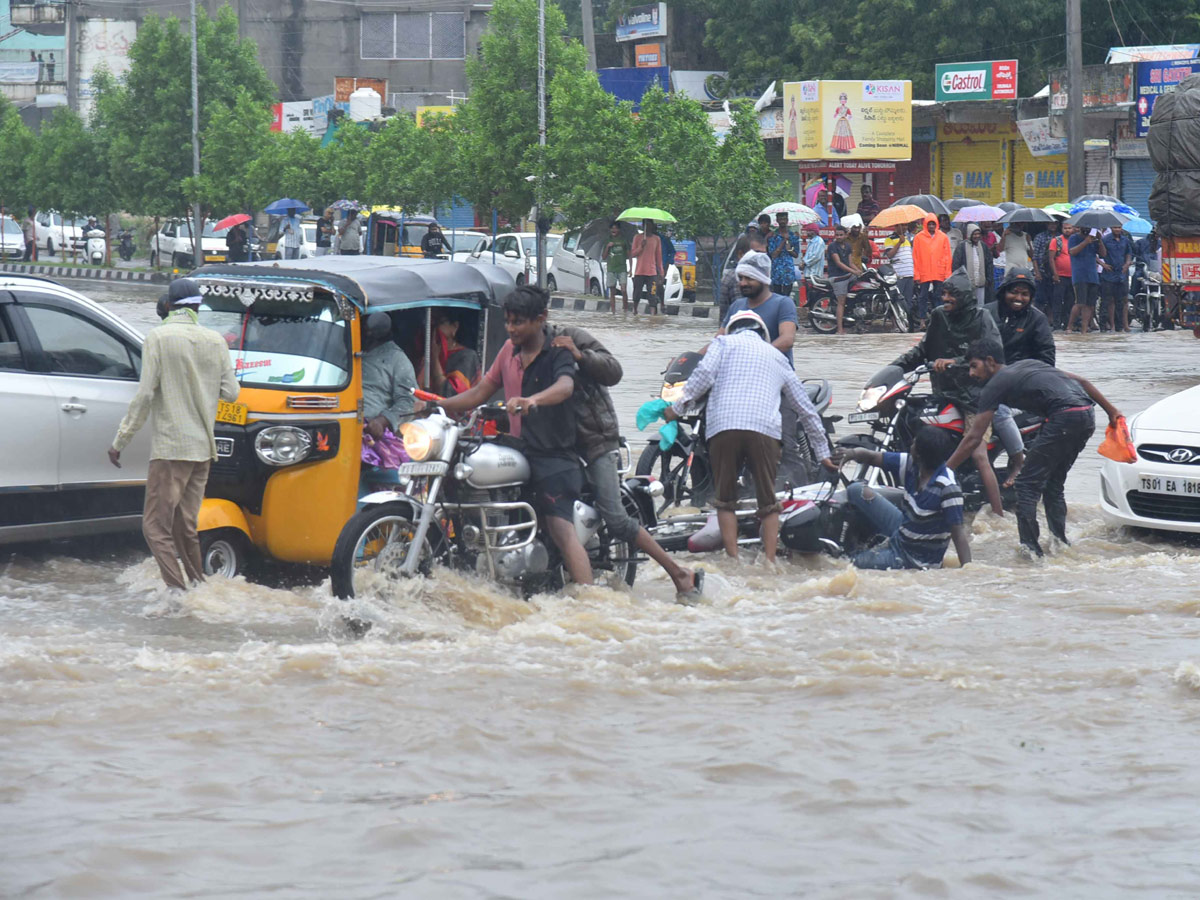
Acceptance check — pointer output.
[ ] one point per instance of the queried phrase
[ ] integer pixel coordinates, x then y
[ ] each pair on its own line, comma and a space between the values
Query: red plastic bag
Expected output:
1117, 444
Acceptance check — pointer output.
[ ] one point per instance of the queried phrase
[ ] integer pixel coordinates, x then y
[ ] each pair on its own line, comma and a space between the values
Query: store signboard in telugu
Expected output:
844, 120
989, 80
1155, 79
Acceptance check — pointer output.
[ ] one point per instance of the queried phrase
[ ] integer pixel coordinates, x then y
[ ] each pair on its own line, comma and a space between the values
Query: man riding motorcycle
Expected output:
953, 326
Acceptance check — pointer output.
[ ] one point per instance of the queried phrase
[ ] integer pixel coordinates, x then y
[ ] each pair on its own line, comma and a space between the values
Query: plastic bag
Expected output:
651, 411
1118, 444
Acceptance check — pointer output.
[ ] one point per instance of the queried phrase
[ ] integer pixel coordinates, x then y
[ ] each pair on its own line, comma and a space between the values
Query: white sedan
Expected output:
1162, 489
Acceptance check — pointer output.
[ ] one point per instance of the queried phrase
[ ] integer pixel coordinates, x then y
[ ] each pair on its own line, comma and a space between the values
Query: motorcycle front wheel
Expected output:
372, 548
821, 325
684, 483
900, 314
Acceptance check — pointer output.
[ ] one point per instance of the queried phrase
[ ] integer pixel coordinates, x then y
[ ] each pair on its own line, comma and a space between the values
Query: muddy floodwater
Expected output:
1009, 729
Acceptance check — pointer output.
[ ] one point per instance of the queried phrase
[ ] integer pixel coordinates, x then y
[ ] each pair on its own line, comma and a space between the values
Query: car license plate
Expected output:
422, 468
863, 417
224, 447
1170, 484
214, 259
233, 413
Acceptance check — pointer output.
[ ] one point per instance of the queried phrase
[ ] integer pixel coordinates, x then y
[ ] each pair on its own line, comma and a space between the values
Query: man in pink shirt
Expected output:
647, 249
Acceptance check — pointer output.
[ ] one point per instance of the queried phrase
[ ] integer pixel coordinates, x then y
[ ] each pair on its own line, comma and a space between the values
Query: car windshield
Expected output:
414, 233
462, 241
282, 343
10, 226
310, 233
529, 244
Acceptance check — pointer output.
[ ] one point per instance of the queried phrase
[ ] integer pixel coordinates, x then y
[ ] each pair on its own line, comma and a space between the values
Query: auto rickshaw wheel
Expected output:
224, 552
373, 546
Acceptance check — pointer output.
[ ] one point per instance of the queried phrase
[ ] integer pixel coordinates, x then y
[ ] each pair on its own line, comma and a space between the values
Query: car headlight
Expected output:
282, 445
422, 439
870, 397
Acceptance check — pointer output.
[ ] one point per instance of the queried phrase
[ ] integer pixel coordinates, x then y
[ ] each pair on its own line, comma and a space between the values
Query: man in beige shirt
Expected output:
185, 369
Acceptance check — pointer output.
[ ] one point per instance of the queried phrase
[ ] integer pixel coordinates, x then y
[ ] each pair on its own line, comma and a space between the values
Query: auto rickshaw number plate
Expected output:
422, 468
233, 413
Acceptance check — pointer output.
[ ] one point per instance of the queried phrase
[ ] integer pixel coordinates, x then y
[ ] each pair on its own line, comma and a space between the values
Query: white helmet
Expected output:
748, 319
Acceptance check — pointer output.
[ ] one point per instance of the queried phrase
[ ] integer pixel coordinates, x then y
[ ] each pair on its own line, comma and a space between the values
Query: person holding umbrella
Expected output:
648, 271
1114, 277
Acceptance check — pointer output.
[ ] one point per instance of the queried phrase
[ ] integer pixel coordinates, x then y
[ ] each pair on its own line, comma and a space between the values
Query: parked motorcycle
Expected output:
873, 298
126, 246
684, 469
95, 247
461, 502
1148, 300
894, 413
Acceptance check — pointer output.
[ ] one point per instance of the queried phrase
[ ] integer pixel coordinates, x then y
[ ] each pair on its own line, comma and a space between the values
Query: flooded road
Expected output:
1012, 728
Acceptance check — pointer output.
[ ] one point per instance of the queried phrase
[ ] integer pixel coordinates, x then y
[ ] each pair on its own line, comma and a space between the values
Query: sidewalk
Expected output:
86, 272
589, 303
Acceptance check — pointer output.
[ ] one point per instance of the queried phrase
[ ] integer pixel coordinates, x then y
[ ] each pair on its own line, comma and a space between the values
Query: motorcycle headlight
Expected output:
282, 445
672, 392
888, 279
422, 439
870, 398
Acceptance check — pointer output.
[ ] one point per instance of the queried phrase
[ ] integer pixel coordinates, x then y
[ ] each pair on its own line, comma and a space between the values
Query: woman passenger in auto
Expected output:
454, 367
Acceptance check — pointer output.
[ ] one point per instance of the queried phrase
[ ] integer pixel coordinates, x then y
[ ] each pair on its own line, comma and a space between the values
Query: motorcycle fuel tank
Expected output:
494, 465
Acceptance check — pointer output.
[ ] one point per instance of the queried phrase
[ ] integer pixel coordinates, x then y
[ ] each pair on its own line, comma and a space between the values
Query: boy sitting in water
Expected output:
932, 515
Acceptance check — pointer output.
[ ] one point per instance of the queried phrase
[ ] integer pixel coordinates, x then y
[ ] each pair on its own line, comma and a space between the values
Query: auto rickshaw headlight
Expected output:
282, 445
422, 439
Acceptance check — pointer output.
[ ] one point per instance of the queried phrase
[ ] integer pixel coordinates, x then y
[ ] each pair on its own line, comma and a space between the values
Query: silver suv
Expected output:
68, 369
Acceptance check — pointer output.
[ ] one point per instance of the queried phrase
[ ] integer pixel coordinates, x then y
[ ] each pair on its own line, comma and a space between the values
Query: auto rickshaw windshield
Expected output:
283, 343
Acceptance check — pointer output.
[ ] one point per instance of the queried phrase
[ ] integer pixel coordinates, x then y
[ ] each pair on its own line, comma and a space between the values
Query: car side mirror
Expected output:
512, 254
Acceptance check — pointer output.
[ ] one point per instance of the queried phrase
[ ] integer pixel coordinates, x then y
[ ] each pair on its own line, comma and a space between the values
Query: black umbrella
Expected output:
1027, 216
958, 203
1009, 206
1089, 198
1096, 218
927, 202
595, 235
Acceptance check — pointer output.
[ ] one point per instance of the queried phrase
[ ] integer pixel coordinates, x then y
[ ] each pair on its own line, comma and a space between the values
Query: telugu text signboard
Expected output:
1155, 79
642, 22
989, 80
1039, 139
844, 120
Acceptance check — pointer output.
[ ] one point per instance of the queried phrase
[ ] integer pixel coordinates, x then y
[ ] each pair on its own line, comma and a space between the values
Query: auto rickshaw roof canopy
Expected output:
380, 283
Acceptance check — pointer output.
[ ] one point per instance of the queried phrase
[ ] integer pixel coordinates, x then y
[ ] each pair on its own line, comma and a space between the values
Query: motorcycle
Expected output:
683, 469
460, 502
894, 413
126, 247
95, 247
1148, 300
873, 298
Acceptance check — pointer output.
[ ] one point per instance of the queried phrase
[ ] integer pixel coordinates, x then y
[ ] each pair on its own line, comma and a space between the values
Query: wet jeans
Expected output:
1044, 475
604, 477
885, 519
1008, 432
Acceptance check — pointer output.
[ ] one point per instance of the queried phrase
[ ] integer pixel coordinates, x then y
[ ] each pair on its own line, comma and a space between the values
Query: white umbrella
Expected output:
798, 213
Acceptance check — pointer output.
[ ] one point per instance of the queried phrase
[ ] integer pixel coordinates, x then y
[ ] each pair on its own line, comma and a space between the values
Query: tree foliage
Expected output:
233, 138
16, 154
413, 167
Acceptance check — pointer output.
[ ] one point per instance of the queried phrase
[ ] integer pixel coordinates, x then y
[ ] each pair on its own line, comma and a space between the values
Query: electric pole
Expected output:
541, 169
1076, 172
197, 245
589, 34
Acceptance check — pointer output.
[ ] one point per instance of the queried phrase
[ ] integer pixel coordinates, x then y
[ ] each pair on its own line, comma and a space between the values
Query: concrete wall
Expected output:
305, 45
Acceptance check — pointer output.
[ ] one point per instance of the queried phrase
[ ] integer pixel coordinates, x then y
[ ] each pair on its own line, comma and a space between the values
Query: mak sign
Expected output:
995, 80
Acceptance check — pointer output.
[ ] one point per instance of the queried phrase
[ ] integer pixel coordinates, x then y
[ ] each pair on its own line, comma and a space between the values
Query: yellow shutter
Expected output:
1038, 180
975, 169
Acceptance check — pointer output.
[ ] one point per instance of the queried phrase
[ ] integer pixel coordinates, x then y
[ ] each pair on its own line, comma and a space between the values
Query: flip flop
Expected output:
697, 590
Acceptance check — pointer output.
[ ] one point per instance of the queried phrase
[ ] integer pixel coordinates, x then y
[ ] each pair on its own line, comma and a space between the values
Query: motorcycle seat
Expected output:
819, 282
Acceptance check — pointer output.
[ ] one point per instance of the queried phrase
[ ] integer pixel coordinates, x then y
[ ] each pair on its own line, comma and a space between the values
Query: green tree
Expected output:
287, 166
412, 167
497, 126
148, 112
342, 165
69, 173
16, 160
233, 139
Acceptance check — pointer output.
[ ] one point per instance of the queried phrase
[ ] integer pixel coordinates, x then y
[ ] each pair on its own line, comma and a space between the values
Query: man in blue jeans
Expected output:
932, 511
1086, 248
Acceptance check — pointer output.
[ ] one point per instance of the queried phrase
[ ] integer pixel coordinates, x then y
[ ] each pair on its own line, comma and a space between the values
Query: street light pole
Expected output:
589, 33
197, 259
541, 169
1076, 172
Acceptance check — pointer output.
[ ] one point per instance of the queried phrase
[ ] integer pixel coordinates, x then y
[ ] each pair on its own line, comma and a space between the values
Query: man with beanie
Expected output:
185, 370
779, 315
973, 257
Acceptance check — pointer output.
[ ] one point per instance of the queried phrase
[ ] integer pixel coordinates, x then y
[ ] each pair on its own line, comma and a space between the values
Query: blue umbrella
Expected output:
285, 206
1107, 205
1138, 226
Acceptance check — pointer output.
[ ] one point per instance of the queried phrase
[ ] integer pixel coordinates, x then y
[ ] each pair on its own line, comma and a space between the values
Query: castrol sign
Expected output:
994, 80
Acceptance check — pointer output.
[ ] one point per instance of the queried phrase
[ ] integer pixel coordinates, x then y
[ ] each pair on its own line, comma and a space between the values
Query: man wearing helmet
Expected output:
185, 369
744, 376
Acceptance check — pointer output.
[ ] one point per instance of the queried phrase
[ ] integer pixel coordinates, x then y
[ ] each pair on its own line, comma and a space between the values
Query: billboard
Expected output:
647, 55
629, 84
344, 86
843, 120
1038, 138
423, 111
322, 107
1104, 87
102, 42
992, 80
642, 22
1155, 79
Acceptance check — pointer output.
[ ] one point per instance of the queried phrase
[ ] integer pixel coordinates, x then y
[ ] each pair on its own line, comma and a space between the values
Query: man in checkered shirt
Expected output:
744, 375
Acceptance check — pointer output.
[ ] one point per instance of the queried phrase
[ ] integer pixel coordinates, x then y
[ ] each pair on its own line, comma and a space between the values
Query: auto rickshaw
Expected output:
395, 233
289, 451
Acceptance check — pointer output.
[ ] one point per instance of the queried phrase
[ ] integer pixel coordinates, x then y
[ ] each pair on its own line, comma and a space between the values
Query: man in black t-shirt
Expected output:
1065, 401
434, 242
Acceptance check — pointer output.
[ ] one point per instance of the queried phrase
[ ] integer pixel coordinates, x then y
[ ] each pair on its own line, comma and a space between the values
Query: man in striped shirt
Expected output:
932, 510
185, 369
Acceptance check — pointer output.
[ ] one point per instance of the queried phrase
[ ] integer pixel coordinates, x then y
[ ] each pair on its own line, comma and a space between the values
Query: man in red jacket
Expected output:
931, 265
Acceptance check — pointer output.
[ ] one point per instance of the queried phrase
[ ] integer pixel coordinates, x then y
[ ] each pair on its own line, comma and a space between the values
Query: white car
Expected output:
1162, 489
12, 239
68, 369
515, 253
172, 244
53, 232
578, 273
463, 244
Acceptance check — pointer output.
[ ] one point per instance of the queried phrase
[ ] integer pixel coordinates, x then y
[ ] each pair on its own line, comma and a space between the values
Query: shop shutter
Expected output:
1137, 177
786, 171
458, 215
1097, 172
1038, 180
911, 176
973, 170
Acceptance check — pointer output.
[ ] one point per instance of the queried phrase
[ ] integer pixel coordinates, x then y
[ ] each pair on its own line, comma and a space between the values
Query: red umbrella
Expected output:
230, 221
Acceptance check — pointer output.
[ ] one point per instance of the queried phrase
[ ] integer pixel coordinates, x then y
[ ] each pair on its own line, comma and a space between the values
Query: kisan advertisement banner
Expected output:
991, 80
844, 120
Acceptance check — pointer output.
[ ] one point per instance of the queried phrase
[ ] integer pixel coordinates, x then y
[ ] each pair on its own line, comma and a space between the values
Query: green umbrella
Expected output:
637, 213
1059, 207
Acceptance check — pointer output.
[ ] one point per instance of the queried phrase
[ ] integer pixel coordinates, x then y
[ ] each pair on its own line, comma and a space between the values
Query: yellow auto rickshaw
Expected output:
289, 451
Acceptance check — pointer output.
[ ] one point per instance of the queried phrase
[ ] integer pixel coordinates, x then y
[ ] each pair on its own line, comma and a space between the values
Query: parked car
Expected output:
464, 243
54, 232
12, 239
308, 238
1162, 489
578, 273
515, 253
172, 244
68, 369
